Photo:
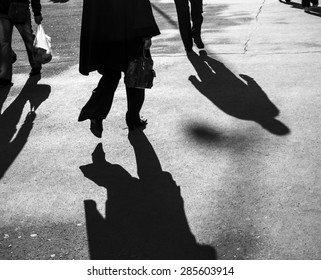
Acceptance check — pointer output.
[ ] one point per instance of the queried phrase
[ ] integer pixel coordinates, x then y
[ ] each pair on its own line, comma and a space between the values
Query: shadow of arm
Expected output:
196, 83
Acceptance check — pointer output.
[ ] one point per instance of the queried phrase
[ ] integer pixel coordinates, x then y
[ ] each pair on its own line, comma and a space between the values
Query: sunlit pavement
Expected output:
236, 127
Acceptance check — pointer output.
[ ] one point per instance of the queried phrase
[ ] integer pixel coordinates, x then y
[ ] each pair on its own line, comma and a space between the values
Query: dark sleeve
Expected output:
4, 7
36, 7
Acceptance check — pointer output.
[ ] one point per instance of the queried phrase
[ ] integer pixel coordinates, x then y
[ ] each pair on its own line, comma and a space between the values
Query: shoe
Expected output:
141, 124
132, 125
307, 9
96, 127
198, 42
5, 83
35, 71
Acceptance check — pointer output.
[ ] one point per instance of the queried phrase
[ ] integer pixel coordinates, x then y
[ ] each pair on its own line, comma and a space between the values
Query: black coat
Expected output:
111, 32
35, 5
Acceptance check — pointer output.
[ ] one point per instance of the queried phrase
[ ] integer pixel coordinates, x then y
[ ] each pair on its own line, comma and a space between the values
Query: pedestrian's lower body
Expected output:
6, 53
187, 11
307, 4
100, 102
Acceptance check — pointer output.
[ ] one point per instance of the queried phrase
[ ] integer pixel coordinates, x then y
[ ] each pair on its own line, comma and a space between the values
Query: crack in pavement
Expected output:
255, 28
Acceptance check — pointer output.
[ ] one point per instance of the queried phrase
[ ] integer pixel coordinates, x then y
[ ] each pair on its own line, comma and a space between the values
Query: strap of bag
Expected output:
142, 52
146, 53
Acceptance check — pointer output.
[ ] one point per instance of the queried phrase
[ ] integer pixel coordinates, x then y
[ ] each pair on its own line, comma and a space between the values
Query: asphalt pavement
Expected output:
227, 168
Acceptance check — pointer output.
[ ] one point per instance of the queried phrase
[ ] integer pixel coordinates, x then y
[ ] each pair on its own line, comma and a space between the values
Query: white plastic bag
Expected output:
42, 46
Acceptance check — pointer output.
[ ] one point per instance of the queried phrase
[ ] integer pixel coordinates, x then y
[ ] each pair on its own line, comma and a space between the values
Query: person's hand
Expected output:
38, 19
147, 43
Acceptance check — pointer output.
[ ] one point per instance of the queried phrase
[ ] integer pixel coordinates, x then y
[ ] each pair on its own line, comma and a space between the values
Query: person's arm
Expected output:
36, 9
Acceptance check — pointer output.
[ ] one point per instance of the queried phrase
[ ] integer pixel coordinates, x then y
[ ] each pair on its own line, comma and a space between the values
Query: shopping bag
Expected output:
42, 46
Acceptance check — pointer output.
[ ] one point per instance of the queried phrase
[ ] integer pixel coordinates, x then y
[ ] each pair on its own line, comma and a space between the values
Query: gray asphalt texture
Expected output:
228, 166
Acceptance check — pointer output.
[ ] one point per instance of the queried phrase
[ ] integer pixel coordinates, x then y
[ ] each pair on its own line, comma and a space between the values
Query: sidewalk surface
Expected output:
228, 166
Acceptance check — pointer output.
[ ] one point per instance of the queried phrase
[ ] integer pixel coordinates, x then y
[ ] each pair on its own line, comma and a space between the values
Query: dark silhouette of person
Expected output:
11, 141
243, 99
10, 9
187, 11
113, 33
145, 216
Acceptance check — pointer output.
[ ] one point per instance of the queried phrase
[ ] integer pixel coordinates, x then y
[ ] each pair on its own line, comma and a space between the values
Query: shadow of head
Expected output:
274, 126
145, 219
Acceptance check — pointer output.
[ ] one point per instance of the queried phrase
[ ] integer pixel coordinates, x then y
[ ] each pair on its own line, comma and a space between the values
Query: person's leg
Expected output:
100, 102
184, 22
197, 19
315, 3
135, 101
28, 37
305, 3
5, 50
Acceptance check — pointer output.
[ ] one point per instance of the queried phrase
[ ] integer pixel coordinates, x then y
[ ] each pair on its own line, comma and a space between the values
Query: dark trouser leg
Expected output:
184, 22
305, 3
5, 49
28, 37
135, 100
99, 104
315, 2
197, 18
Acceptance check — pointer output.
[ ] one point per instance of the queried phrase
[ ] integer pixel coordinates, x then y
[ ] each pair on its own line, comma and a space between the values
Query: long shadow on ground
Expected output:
11, 141
242, 100
145, 216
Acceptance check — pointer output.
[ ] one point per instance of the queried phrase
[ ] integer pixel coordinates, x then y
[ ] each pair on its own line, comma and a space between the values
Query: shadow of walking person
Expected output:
145, 216
11, 141
242, 100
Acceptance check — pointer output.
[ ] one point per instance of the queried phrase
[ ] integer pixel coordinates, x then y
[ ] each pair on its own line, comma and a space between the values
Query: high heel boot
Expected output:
134, 123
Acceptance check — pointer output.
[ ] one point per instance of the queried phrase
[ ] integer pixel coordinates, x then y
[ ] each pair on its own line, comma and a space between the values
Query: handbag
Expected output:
19, 12
140, 72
